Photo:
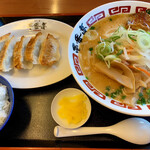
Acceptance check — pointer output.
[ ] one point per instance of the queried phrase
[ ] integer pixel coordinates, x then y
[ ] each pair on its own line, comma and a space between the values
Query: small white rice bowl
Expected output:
4, 103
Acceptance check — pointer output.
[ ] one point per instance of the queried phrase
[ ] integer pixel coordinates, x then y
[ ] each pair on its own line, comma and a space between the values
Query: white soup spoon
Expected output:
134, 130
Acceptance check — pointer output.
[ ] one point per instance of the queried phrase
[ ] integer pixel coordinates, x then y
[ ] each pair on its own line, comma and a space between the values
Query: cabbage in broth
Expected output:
115, 57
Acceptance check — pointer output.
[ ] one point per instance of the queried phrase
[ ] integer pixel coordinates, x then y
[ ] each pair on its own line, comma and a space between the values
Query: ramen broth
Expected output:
103, 28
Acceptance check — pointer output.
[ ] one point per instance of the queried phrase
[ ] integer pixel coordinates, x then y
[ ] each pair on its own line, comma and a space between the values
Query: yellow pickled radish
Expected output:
73, 108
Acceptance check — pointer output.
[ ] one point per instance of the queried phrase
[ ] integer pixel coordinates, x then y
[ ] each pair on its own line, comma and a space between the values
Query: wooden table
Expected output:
23, 131
13, 8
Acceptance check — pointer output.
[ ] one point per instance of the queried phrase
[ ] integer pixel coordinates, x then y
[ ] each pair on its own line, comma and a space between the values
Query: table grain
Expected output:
16, 8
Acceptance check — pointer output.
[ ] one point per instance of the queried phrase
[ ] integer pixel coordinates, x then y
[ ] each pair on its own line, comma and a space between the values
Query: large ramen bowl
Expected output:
80, 29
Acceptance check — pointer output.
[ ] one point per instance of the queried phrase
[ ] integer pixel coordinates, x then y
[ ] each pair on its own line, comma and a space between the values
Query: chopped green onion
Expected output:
113, 95
86, 77
140, 94
108, 88
118, 43
143, 101
103, 49
107, 94
132, 37
141, 30
91, 48
148, 11
148, 32
114, 38
108, 40
148, 101
118, 91
119, 52
138, 101
144, 41
148, 92
110, 19
100, 57
123, 96
92, 28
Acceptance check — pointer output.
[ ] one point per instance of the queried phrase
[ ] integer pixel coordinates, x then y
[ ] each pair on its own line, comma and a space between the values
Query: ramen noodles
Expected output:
115, 57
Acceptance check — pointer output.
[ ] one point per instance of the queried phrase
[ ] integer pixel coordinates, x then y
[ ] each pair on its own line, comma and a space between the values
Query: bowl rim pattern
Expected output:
79, 30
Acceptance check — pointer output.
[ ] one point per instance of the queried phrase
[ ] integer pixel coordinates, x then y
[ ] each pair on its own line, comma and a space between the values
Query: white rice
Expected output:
4, 103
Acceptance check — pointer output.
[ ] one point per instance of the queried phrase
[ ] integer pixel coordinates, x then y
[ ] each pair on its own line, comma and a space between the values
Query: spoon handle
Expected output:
63, 132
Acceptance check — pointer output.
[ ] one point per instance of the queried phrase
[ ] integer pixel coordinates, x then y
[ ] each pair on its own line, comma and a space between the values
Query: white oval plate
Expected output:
83, 24
39, 76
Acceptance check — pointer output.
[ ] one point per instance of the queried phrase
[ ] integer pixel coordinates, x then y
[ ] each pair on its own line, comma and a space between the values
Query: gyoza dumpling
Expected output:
18, 55
33, 48
3, 39
49, 53
6, 54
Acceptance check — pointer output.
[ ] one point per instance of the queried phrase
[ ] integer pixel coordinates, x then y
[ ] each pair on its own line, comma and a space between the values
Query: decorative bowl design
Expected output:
80, 29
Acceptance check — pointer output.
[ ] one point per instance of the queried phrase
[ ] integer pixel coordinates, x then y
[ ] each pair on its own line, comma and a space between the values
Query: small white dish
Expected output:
55, 106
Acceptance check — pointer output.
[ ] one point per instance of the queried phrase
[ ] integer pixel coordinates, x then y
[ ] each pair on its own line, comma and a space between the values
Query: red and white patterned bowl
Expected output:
81, 27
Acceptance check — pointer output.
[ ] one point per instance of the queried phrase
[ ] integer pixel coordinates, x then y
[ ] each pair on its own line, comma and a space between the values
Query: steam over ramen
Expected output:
115, 57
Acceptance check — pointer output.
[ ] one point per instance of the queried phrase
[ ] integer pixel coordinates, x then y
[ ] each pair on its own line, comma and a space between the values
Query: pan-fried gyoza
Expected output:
26, 52
115, 57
